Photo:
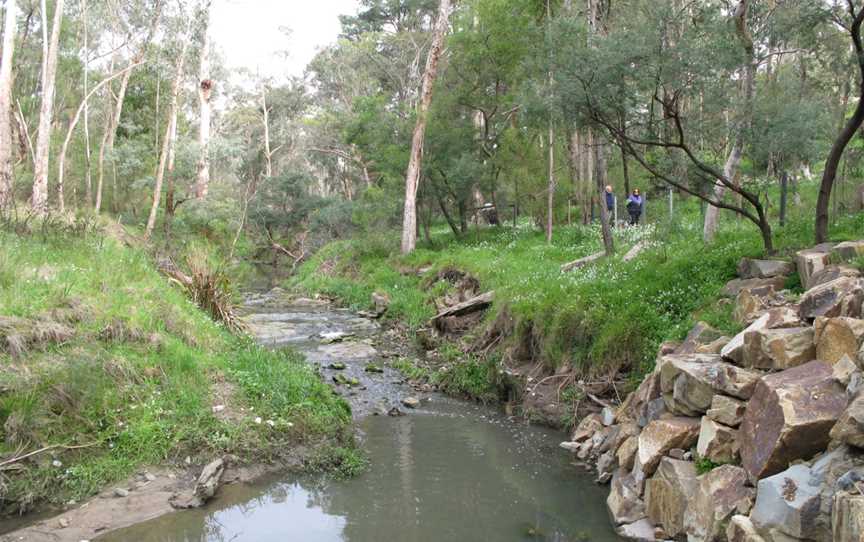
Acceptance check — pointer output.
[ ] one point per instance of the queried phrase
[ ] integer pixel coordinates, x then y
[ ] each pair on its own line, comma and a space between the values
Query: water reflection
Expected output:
450, 472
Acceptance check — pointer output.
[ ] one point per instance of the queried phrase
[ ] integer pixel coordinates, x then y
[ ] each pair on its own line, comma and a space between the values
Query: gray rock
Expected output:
847, 517
777, 318
638, 531
790, 502
741, 529
833, 272
608, 415
689, 383
840, 297
811, 261
411, 402
120, 492
721, 494
763, 269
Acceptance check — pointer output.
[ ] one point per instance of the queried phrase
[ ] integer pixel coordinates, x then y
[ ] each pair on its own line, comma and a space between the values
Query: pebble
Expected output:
411, 402
121, 493
258, 420
218, 408
63, 523
56, 464
150, 477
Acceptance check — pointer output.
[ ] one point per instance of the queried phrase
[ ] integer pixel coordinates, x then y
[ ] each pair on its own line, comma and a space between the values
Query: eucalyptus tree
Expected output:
6, 165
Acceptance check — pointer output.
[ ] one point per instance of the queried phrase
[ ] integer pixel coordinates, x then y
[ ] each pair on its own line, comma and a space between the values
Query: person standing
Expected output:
610, 204
634, 207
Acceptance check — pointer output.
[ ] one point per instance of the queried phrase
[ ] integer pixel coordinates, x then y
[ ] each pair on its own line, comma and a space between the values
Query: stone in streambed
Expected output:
411, 402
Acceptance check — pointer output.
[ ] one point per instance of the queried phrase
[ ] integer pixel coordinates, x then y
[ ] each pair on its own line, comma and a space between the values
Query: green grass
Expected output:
602, 319
136, 382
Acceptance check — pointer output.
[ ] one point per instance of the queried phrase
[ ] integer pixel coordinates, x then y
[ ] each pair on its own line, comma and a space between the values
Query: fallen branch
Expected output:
46, 449
581, 262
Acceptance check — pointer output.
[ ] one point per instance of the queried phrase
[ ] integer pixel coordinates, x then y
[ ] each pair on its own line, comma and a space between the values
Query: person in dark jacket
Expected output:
610, 204
634, 207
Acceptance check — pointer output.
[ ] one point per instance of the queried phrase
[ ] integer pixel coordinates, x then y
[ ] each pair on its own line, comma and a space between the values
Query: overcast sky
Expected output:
250, 33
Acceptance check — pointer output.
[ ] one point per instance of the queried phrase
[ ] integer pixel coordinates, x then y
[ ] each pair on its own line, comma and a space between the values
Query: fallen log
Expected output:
635, 251
474, 304
581, 262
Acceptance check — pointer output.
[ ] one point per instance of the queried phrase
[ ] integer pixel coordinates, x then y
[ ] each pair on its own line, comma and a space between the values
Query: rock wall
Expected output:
754, 438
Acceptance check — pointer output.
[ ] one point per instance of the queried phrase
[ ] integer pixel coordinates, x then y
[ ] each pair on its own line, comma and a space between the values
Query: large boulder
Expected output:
637, 406
778, 318
734, 287
840, 297
833, 272
741, 529
849, 429
659, 437
669, 493
847, 517
779, 349
790, 502
717, 442
847, 251
838, 337
638, 531
726, 410
812, 260
721, 494
763, 269
627, 453
789, 417
689, 383
624, 502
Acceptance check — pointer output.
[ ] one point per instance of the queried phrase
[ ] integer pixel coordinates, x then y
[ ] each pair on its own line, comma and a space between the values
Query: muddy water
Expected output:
448, 470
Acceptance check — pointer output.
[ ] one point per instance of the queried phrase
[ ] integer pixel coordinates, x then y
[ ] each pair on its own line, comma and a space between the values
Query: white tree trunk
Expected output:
205, 89
39, 198
550, 195
412, 176
61, 168
6, 171
168, 141
733, 161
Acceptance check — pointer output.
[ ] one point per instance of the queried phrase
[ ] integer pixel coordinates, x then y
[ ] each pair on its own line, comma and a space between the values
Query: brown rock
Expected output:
623, 502
847, 517
838, 337
726, 410
850, 427
749, 268
779, 349
833, 272
777, 318
752, 303
721, 494
811, 261
717, 442
741, 529
789, 417
659, 437
733, 287
714, 347
840, 297
668, 494
847, 251
586, 428
627, 453
689, 383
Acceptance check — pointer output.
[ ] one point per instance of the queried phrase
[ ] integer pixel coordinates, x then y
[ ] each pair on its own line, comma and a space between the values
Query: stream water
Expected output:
448, 470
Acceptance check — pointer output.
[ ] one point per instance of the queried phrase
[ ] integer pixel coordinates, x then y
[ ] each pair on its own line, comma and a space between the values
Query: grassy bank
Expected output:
603, 319
109, 366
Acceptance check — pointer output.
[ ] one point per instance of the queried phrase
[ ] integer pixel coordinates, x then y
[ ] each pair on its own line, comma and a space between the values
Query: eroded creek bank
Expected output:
445, 470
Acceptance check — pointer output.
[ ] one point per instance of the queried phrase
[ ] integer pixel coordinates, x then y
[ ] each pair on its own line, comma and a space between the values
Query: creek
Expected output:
446, 470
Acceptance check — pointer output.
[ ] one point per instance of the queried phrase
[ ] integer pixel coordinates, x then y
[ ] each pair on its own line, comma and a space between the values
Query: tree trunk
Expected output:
39, 198
743, 122
205, 89
412, 177
87, 165
107, 145
170, 204
843, 139
600, 188
550, 194
6, 167
784, 194
168, 141
61, 168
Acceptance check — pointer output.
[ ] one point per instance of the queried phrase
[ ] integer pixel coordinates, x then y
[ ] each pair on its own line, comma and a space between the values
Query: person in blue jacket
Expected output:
610, 204
634, 207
